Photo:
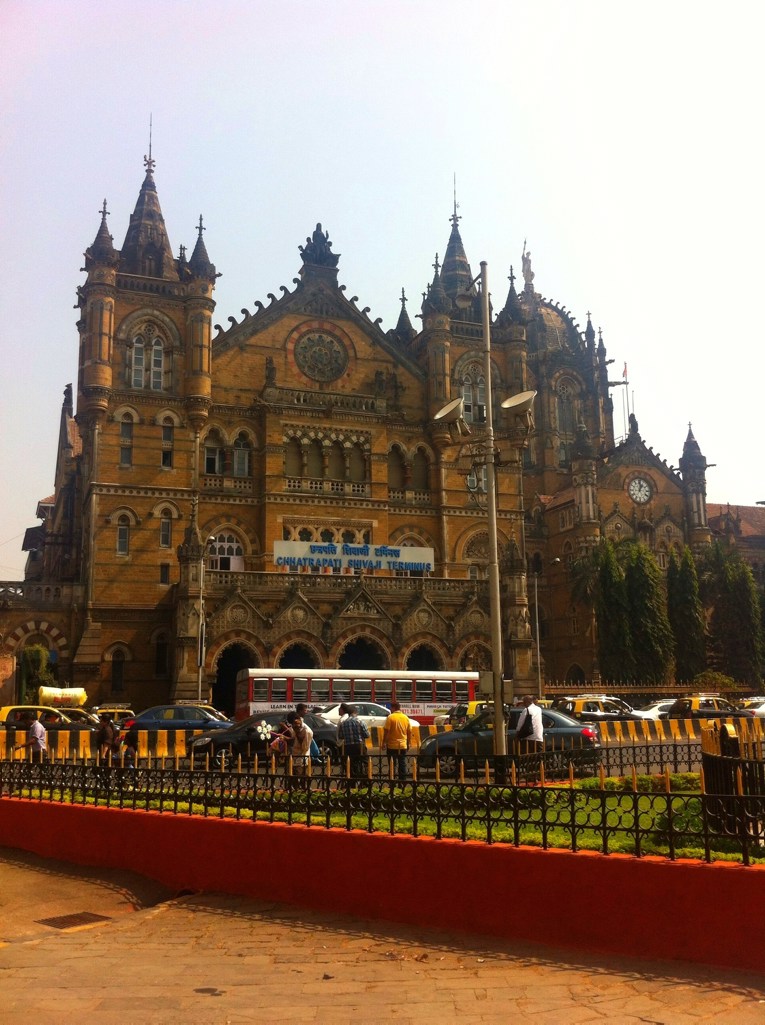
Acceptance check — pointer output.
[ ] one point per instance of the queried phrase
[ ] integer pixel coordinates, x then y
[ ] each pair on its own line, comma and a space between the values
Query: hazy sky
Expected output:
623, 141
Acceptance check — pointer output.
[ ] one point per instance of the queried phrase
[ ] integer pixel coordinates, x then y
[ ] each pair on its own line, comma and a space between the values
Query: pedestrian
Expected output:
36, 738
397, 738
530, 730
301, 737
353, 734
302, 710
106, 739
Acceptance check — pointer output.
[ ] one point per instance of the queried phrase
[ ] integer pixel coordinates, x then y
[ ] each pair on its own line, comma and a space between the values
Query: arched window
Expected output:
118, 671
565, 403
214, 454
420, 471
139, 363
123, 535
357, 464
336, 463
165, 529
226, 553
126, 440
157, 365
396, 471
474, 397
293, 459
168, 437
315, 462
242, 456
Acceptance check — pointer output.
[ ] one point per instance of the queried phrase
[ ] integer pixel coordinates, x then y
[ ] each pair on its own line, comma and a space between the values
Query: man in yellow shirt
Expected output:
396, 738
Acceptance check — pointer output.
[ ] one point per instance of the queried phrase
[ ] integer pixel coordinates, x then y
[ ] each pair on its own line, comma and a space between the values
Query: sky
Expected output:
621, 142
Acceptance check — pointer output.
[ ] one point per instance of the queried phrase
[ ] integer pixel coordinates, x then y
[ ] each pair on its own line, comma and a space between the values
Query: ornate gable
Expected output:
237, 612
361, 604
421, 616
297, 613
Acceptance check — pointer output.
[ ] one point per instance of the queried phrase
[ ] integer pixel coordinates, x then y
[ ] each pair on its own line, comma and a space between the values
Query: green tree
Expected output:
647, 604
612, 614
36, 671
686, 617
735, 644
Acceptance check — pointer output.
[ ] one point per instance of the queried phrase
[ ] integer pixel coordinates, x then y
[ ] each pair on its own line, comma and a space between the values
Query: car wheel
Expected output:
225, 757
448, 763
328, 752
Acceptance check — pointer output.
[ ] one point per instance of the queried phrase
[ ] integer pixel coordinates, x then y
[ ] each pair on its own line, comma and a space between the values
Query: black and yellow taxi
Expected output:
596, 708
51, 718
705, 706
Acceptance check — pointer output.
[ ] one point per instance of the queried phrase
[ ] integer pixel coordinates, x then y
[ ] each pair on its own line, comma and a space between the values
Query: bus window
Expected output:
341, 690
362, 690
423, 690
383, 691
260, 690
299, 688
403, 690
462, 690
444, 691
278, 689
320, 692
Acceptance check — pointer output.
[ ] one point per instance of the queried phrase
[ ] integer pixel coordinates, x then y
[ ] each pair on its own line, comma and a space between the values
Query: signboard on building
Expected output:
297, 556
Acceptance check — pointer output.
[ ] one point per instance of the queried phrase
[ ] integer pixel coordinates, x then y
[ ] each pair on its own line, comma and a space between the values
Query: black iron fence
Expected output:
591, 814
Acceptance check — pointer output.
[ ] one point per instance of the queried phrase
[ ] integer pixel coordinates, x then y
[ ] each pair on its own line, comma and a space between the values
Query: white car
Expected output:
370, 713
756, 705
655, 709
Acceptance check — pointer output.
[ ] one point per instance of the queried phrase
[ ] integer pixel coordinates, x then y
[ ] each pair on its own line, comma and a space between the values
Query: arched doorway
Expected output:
298, 656
423, 657
575, 674
362, 654
230, 661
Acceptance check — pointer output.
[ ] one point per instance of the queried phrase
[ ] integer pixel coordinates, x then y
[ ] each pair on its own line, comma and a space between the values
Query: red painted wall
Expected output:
645, 907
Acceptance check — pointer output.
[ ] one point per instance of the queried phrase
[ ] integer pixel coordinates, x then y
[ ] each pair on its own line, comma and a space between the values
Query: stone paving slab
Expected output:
212, 959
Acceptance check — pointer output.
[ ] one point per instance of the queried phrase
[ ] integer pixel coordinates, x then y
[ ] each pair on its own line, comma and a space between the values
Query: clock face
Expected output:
639, 490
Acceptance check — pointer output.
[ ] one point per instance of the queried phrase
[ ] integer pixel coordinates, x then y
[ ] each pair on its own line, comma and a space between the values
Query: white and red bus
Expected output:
421, 694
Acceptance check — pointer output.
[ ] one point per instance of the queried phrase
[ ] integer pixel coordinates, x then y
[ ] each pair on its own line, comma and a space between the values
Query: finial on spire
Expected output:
103, 211
149, 163
402, 300
455, 217
200, 226
437, 265
511, 279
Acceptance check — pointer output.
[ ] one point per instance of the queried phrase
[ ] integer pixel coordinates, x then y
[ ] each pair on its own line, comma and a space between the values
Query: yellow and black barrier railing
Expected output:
75, 745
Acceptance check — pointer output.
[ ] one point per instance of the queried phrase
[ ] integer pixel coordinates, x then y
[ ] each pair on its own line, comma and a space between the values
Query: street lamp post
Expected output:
201, 630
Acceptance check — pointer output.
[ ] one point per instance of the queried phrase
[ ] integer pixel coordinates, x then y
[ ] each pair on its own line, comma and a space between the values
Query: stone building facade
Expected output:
278, 471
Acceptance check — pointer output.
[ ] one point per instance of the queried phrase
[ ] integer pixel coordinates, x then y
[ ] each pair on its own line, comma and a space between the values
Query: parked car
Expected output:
596, 708
369, 712
249, 738
474, 741
705, 706
459, 714
51, 718
177, 717
655, 709
117, 713
81, 715
756, 705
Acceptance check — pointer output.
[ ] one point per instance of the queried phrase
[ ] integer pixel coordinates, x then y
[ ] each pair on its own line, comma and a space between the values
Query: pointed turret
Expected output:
199, 264
512, 311
589, 333
102, 250
693, 467
146, 249
404, 328
456, 276
436, 300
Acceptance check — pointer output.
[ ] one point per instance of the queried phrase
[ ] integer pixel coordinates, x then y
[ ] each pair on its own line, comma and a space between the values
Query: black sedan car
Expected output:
565, 740
249, 738
177, 717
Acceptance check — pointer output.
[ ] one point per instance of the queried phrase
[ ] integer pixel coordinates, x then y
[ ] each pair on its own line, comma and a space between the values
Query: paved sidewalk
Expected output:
211, 959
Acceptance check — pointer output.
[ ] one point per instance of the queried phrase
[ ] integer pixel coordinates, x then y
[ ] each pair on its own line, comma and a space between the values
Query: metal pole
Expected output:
201, 631
536, 629
500, 737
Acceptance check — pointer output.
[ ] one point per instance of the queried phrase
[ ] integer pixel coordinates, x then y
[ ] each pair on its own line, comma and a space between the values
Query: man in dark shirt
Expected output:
352, 734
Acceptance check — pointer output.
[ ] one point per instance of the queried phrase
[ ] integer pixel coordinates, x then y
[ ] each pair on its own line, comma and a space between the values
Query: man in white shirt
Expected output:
530, 731
36, 738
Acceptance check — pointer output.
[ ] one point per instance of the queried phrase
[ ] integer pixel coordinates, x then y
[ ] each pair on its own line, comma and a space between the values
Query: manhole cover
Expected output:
70, 921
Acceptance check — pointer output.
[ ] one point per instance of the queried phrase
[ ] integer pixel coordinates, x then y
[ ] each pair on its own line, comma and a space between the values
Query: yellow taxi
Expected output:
705, 706
51, 718
596, 708
117, 713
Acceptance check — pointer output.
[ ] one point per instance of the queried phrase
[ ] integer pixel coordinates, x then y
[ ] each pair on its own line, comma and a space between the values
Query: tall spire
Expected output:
146, 249
404, 328
456, 275
512, 310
